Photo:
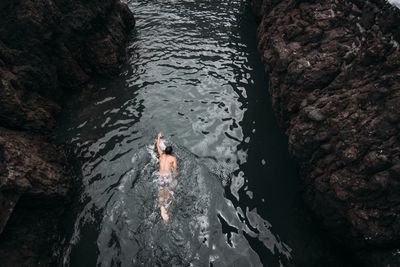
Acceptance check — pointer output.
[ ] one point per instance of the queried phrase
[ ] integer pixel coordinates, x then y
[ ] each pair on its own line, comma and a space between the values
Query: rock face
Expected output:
48, 49
334, 69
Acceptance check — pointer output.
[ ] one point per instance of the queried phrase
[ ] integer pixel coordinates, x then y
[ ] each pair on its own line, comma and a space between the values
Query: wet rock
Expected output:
337, 93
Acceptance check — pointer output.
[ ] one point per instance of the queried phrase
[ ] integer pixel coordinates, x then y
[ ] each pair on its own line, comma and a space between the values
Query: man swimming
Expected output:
168, 168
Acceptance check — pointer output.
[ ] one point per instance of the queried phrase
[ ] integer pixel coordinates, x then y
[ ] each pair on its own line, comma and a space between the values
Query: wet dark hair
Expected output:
168, 150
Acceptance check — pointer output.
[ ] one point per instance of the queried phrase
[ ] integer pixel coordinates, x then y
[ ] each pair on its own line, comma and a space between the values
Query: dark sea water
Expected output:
193, 73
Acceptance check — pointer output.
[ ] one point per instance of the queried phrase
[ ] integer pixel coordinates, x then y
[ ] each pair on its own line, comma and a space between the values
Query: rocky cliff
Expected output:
48, 49
334, 72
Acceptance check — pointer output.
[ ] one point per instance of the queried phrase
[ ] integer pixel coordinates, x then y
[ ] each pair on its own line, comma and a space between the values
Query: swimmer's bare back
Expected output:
168, 163
168, 166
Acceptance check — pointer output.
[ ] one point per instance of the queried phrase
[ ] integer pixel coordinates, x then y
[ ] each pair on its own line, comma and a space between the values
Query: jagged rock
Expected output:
314, 114
31, 166
334, 70
49, 47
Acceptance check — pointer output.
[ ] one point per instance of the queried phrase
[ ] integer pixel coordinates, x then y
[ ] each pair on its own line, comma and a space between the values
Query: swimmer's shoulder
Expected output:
172, 157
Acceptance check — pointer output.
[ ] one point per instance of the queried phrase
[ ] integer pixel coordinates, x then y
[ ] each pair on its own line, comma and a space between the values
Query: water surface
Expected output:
194, 74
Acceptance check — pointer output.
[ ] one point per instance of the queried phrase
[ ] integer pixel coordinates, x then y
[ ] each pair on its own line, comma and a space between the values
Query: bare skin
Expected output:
168, 166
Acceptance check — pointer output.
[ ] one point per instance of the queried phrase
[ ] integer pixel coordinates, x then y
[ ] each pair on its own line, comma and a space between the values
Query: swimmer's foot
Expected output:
164, 214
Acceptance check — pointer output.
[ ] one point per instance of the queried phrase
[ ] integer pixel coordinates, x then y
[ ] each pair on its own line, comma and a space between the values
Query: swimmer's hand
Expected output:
159, 150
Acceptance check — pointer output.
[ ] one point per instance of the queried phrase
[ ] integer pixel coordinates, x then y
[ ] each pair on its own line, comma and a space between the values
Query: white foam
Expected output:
395, 2
237, 183
162, 144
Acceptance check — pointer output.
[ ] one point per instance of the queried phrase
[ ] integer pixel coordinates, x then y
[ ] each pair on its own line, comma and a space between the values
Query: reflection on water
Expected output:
133, 232
193, 74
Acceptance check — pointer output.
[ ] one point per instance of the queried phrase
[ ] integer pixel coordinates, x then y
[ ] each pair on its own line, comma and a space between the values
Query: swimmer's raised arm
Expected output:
159, 136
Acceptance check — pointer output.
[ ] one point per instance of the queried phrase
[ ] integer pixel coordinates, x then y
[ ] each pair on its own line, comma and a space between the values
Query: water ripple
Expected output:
189, 75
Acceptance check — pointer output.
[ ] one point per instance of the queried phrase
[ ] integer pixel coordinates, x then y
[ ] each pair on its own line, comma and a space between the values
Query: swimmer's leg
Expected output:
164, 214
163, 197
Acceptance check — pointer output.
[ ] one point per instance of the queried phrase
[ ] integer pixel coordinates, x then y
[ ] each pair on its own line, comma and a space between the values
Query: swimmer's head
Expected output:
168, 150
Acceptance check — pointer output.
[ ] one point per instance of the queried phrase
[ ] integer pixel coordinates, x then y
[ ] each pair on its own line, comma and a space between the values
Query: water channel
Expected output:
194, 73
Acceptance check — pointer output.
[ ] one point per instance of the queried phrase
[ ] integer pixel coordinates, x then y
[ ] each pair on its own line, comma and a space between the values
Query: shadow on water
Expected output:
195, 74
